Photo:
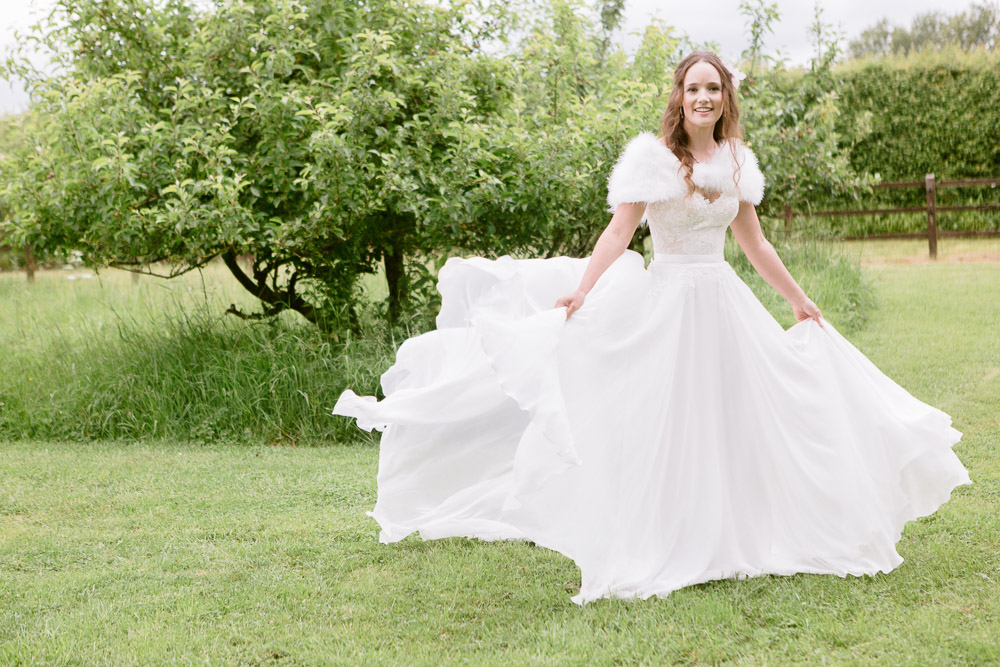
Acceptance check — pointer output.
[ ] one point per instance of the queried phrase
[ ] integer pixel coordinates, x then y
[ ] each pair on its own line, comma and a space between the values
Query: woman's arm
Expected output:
611, 244
764, 258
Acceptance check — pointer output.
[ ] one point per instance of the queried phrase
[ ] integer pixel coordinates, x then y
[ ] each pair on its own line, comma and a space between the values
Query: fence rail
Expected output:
930, 186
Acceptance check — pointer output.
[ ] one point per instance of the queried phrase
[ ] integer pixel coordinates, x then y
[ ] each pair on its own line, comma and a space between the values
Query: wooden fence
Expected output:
930, 186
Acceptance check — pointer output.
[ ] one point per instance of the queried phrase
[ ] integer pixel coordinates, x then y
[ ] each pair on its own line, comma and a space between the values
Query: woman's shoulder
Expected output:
646, 170
646, 145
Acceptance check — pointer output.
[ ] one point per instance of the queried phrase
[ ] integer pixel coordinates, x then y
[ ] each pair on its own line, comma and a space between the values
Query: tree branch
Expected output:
133, 267
274, 301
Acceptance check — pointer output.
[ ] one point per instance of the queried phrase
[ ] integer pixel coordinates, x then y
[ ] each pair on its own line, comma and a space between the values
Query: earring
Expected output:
682, 113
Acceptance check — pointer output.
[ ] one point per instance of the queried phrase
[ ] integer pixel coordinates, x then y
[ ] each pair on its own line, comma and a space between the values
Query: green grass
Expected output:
172, 552
915, 251
109, 358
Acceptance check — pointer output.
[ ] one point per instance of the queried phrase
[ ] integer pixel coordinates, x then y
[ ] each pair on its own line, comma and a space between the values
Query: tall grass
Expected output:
110, 358
829, 275
106, 359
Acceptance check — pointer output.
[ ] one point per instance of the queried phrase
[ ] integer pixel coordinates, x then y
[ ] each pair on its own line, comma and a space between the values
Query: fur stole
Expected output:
648, 171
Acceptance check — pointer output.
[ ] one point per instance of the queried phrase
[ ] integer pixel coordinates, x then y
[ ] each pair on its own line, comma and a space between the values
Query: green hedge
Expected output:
904, 117
932, 112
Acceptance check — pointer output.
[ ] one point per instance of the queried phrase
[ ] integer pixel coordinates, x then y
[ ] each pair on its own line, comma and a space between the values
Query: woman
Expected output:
697, 127
657, 426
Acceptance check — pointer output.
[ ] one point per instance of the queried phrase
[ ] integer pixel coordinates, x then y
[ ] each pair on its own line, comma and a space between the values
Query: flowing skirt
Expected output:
667, 434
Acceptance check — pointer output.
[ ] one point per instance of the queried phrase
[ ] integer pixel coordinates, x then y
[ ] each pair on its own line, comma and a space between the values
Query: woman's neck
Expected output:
701, 140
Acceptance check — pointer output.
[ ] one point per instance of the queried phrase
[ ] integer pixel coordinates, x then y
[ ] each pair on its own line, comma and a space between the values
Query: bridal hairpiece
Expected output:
735, 75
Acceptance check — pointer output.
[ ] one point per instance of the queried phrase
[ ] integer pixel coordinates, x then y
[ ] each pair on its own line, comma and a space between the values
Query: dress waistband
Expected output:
674, 258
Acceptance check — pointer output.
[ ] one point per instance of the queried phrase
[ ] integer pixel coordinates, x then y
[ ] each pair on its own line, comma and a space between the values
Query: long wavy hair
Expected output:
726, 128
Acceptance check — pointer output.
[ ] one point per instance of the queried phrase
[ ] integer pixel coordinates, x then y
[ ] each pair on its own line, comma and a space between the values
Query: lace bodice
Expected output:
682, 222
691, 226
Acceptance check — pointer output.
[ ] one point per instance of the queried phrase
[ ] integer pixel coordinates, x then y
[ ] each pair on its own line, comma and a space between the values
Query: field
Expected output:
160, 551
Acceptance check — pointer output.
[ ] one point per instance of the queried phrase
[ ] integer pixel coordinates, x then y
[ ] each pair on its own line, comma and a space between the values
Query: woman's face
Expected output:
702, 95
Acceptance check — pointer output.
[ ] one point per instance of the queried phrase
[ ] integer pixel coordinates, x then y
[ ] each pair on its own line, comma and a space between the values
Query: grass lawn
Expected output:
166, 552
877, 252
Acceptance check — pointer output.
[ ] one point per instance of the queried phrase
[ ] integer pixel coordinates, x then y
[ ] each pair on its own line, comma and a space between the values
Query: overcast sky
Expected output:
719, 21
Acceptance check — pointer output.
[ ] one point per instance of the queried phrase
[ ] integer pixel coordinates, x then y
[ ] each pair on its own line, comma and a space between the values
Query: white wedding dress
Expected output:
670, 432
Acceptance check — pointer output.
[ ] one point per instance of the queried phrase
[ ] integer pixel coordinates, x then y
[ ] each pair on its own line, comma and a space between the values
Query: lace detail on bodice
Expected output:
691, 226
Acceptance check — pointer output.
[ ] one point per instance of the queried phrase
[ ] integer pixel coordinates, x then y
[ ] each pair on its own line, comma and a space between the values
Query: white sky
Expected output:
713, 20
720, 21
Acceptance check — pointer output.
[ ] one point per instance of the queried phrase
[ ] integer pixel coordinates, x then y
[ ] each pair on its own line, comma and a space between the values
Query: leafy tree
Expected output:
612, 12
876, 40
790, 118
319, 137
10, 135
13, 132
760, 16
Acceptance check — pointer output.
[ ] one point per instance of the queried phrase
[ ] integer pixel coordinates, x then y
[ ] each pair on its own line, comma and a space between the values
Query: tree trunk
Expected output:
556, 244
274, 301
395, 276
29, 264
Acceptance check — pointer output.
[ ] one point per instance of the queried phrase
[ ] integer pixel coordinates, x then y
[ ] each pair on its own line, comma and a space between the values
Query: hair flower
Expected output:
735, 75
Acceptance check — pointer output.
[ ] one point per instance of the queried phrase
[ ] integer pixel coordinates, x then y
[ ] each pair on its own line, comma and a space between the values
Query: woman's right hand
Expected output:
572, 301
806, 309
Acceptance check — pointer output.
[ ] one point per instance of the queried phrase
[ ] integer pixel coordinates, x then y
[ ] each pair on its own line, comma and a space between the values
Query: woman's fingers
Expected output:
572, 303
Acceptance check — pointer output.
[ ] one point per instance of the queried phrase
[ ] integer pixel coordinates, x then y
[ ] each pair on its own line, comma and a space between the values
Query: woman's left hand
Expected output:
806, 309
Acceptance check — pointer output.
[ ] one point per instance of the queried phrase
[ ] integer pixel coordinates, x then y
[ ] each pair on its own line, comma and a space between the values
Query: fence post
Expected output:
931, 215
788, 220
29, 264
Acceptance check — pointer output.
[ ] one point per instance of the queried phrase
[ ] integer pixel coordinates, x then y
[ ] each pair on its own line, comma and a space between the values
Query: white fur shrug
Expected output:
648, 171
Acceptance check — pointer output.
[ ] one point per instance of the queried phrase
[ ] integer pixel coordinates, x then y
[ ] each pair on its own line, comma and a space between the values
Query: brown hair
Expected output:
726, 128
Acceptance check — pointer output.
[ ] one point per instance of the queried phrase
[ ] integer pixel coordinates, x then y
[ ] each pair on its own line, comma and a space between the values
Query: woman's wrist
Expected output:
799, 299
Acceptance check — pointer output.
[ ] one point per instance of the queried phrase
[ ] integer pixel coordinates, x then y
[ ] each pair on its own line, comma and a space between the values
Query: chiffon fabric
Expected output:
670, 432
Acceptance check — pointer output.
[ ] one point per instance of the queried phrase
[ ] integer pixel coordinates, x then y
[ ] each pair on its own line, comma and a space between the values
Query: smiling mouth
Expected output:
703, 110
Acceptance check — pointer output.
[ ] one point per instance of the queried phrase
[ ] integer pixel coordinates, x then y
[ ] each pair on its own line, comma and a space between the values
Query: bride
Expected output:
700, 121
657, 426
